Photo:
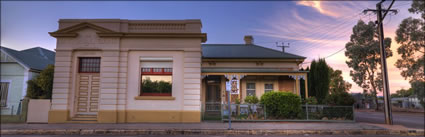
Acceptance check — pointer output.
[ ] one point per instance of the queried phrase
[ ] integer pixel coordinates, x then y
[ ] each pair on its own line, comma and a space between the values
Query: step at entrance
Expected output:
82, 117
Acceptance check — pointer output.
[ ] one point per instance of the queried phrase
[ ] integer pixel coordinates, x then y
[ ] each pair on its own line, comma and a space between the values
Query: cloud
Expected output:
318, 6
316, 35
328, 42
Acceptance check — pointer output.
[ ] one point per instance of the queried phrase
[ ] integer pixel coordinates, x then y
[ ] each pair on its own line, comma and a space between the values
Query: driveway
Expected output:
410, 120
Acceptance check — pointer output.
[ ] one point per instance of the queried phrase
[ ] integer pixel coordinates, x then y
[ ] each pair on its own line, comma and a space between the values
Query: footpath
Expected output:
210, 128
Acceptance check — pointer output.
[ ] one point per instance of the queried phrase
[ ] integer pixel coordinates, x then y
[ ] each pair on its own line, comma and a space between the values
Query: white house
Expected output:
17, 67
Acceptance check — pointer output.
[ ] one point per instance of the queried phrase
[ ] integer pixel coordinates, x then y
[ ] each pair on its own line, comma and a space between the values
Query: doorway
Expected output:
88, 84
213, 98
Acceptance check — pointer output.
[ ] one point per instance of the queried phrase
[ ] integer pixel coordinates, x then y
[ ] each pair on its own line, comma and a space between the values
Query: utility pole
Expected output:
387, 99
283, 46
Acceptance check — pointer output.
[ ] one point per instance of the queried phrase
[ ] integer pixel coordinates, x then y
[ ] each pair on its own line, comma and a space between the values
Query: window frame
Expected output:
268, 90
248, 89
80, 64
5, 98
153, 73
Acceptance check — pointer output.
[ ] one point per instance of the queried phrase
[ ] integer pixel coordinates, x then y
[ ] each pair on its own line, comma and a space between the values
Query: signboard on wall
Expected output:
233, 86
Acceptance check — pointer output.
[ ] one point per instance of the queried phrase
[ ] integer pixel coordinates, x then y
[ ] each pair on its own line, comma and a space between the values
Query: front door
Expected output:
88, 85
213, 95
88, 94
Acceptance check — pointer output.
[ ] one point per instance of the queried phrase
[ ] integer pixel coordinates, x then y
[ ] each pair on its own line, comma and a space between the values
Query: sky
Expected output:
312, 28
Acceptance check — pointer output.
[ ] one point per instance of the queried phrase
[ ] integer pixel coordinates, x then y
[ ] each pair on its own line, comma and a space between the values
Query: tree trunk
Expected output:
376, 102
375, 94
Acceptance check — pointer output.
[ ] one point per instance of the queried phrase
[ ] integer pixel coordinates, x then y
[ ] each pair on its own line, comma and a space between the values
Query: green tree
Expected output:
411, 37
337, 83
418, 89
340, 99
311, 79
302, 84
319, 80
403, 93
41, 86
418, 7
363, 54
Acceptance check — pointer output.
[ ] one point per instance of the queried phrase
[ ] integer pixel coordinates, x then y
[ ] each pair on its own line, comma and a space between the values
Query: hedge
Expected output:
282, 105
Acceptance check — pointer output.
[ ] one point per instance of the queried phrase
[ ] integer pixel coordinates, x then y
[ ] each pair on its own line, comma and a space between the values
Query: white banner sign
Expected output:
233, 86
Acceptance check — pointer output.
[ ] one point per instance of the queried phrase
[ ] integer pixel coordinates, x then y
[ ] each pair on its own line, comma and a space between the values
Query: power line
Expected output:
328, 55
311, 33
327, 35
401, 5
339, 27
329, 38
340, 31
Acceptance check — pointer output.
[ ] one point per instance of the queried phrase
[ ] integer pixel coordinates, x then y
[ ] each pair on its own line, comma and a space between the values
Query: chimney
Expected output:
248, 39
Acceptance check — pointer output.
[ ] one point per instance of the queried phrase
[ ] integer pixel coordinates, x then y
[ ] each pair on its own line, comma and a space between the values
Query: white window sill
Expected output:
154, 98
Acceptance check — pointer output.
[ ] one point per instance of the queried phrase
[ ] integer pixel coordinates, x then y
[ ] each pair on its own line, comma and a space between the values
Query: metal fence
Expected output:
258, 112
15, 112
11, 108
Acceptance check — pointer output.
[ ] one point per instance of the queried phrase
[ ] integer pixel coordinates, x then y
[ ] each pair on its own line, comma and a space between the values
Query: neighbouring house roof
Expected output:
243, 51
34, 58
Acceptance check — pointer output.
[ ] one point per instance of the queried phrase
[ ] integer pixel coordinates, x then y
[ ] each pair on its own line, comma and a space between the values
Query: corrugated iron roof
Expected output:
243, 51
34, 58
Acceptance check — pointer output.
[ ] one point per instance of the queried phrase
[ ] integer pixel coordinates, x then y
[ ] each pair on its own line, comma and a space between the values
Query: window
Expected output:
250, 89
89, 65
4, 89
156, 77
268, 87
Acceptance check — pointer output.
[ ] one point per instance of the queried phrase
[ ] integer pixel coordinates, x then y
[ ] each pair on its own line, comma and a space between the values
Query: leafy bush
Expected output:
41, 86
251, 99
237, 101
311, 101
340, 99
282, 105
33, 90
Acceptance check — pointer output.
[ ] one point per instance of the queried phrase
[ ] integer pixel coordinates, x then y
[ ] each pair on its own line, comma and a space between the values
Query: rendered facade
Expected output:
129, 71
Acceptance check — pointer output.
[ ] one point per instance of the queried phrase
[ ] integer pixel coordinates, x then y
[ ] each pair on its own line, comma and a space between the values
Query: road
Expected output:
410, 120
196, 136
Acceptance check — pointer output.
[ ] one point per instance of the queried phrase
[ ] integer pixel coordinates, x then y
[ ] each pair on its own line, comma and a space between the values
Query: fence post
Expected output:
354, 116
306, 109
11, 111
230, 109
265, 112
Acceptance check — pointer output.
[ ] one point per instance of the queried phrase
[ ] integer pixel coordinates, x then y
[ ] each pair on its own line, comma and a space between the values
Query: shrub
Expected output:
340, 99
310, 100
251, 99
41, 86
33, 90
237, 101
282, 105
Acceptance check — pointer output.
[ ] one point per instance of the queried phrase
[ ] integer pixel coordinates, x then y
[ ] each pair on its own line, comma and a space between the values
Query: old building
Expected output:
116, 71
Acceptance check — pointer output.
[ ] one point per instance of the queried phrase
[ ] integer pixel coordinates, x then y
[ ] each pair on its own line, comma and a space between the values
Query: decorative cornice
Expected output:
104, 32
203, 36
53, 34
69, 31
84, 25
